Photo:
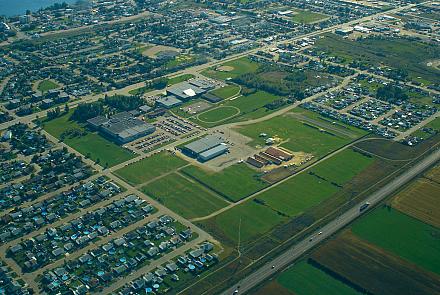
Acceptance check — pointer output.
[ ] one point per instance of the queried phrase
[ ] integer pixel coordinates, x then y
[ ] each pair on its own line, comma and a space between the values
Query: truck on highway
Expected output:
364, 206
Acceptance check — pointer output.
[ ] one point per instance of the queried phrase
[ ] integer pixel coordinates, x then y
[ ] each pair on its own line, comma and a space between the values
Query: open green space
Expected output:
305, 279
429, 129
298, 194
296, 135
232, 69
410, 56
88, 143
226, 91
151, 167
308, 189
187, 198
178, 79
218, 114
253, 220
234, 183
46, 85
342, 167
307, 17
402, 235
180, 60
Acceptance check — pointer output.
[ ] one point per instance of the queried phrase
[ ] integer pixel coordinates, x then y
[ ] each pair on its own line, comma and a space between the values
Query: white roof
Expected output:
189, 92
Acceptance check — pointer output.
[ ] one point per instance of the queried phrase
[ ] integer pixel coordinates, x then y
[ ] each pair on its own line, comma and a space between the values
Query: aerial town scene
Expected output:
261, 147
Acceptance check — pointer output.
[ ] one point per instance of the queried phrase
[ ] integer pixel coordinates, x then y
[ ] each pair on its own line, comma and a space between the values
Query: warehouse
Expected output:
206, 148
185, 91
168, 102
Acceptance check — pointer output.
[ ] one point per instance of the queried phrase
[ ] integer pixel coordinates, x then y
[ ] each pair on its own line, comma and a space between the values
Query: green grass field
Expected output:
411, 56
307, 17
46, 85
234, 183
218, 114
178, 79
402, 235
343, 166
295, 135
305, 279
237, 67
303, 191
186, 198
226, 92
256, 220
92, 144
149, 168
297, 194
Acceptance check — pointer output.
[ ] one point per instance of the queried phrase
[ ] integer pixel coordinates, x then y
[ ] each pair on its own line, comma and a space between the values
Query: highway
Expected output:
286, 258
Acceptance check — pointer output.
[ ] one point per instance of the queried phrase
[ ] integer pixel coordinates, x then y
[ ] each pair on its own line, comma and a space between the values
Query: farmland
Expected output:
90, 144
149, 168
373, 270
234, 183
185, 197
304, 279
419, 200
388, 228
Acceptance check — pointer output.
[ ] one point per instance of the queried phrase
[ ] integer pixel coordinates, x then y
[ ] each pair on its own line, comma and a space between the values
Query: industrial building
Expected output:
206, 148
168, 102
122, 127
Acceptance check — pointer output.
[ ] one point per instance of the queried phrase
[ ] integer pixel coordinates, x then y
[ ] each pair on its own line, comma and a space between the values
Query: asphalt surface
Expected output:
296, 251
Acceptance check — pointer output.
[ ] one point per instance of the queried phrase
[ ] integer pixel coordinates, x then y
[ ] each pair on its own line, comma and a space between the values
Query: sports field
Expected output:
226, 91
305, 279
372, 269
234, 183
151, 167
232, 69
307, 17
402, 235
218, 114
91, 144
187, 198
295, 135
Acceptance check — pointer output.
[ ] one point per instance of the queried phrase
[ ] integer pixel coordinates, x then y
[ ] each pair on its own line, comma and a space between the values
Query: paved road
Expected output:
295, 252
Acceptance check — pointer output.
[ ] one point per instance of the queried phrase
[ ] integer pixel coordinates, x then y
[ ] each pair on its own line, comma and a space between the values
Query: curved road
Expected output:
296, 251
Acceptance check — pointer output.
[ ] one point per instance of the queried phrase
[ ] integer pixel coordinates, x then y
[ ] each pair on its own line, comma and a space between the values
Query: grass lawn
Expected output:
178, 79
305, 279
226, 92
218, 114
149, 168
140, 90
179, 60
429, 129
402, 235
184, 197
307, 17
234, 68
235, 182
295, 135
343, 166
92, 144
256, 220
46, 85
